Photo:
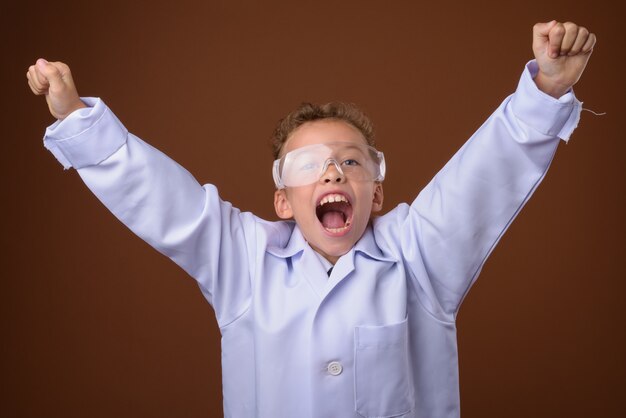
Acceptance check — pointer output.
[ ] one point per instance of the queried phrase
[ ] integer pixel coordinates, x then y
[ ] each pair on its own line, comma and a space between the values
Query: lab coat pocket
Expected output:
382, 372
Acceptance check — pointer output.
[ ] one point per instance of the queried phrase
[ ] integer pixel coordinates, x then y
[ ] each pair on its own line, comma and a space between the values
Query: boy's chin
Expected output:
335, 249
333, 244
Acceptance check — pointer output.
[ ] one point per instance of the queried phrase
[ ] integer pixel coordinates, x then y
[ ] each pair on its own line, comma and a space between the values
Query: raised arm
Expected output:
455, 222
150, 193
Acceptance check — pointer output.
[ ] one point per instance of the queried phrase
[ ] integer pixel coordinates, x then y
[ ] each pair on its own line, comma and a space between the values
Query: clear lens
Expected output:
306, 165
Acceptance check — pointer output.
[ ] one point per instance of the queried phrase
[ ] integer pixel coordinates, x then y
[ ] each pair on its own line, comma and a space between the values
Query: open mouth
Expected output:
334, 212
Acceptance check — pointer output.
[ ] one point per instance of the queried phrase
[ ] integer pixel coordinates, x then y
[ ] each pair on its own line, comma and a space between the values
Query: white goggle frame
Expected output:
370, 167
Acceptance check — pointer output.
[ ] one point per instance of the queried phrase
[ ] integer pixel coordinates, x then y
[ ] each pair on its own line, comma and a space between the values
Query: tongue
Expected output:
333, 219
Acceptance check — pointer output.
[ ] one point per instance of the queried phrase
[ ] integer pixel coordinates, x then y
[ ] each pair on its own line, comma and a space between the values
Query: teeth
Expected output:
331, 198
337, 230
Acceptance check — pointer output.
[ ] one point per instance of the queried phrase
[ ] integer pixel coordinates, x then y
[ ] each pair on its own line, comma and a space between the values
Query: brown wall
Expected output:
94, 323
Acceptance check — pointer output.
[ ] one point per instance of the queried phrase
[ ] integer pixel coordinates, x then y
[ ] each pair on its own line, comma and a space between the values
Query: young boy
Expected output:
336, 314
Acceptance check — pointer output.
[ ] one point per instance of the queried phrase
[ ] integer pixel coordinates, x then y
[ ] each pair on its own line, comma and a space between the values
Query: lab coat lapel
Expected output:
365, 247
313, 271
305, 262
342, 269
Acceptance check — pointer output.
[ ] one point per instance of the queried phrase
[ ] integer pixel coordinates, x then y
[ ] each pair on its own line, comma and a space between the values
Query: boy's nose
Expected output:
332, 173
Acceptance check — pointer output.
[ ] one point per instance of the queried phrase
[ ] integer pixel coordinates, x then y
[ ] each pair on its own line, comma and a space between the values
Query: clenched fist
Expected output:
562, 51
54, 80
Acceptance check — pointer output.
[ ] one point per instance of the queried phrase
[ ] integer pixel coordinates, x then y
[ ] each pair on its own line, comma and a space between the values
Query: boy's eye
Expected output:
351, 162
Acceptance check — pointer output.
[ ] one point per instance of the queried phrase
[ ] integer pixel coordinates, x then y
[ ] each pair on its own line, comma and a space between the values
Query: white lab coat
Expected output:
378, 337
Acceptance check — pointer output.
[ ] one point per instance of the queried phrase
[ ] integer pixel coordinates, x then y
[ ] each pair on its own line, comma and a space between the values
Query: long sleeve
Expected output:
162, 203
447, 233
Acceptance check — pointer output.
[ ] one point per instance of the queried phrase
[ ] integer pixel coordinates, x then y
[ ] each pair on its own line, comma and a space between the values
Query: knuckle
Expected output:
559, 29
53, 71
570, 25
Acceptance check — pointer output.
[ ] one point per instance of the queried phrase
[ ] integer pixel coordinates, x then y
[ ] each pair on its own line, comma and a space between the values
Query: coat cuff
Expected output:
549, 116
86, 137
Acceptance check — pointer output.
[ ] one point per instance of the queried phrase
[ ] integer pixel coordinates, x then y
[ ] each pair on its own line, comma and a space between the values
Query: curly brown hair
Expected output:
309, 112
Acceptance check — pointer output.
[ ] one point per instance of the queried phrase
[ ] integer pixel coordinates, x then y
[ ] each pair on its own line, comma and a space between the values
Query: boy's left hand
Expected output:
562, 51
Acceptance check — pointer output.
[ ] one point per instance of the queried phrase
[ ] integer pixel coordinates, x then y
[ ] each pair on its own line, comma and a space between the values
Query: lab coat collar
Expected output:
297, 243
368, 246
310, 267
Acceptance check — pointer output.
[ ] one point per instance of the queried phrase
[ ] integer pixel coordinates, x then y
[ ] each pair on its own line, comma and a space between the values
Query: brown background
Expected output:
95, 323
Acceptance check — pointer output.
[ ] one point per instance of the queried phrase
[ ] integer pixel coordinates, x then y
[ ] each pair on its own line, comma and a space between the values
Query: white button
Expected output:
335, 368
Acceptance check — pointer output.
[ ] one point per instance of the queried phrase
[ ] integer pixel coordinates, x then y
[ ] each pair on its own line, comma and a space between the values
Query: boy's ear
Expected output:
377, 201
282, 205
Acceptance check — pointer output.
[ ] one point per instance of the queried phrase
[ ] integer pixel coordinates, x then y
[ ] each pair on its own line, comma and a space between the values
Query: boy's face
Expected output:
331, 229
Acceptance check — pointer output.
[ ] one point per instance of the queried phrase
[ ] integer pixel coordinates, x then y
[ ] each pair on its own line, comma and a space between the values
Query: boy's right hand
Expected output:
54, 79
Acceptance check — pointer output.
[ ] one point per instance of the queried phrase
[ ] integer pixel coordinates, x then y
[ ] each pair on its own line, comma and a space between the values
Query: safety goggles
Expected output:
306, 165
